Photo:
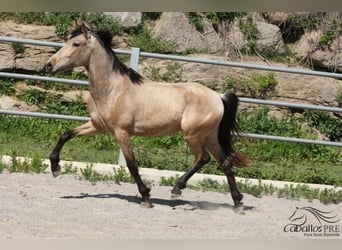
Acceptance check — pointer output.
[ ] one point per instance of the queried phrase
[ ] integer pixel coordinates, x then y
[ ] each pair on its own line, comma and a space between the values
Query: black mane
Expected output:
105, 38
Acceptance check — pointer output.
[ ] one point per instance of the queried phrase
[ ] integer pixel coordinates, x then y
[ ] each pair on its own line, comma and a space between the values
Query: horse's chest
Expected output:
100, 114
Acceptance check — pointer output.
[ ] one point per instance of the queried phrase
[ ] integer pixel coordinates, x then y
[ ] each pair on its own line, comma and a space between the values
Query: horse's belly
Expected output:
156, 128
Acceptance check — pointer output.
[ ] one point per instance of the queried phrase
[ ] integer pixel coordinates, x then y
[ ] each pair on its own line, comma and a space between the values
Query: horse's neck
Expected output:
102, 80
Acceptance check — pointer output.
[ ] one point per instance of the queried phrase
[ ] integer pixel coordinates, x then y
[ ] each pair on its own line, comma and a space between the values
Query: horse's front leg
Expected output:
124, 141
85, 129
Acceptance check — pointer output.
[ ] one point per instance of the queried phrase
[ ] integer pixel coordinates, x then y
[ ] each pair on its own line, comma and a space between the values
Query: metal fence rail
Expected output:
248, 135
135, 54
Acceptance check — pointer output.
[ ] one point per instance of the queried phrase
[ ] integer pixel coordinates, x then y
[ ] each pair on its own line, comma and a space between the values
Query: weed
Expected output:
34, 165
121, 175
171, 181
209, 184
69, 169
196, 20
2, 166
288, 191
18, 48
172, 73
250, 32
327, 38
89, 174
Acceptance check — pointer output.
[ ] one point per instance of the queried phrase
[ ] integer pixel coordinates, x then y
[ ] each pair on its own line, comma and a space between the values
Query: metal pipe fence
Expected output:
134, 60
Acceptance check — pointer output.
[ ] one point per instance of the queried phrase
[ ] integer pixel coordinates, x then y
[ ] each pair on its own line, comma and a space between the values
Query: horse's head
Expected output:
298, 216
301, 215
75, 52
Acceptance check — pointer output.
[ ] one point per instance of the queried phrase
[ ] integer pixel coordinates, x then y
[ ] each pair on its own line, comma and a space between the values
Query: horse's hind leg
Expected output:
226, 165
201, 158
85, 129
227, 169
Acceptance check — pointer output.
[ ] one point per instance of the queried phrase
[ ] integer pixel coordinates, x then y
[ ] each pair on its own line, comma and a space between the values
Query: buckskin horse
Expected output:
124, 103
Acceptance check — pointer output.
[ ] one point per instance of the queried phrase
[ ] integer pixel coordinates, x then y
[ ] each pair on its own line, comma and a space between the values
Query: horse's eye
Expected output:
75, 44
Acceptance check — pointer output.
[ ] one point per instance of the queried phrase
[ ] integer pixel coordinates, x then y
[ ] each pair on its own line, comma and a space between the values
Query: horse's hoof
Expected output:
56, 172
176, 192
238, 208
146, 204
175, 196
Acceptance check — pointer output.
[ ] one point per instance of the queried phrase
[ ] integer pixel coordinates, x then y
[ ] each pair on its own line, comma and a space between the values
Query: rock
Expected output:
270, 38
32, 58
38, 32
305, 45
75, 95
276, 18
127, 19
307, 89
328, 57
175, 26
11, 103
7, 55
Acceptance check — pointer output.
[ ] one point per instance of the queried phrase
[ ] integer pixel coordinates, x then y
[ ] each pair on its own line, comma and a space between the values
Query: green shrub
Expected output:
250, 32
196, 18
18, 48
60, 106
34, 96
256, 86
6, 87
147, 41
151, 15
173, 73
339, 97
326, 124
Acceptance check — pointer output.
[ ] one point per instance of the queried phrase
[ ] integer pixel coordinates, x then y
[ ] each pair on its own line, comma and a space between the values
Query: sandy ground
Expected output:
38, 206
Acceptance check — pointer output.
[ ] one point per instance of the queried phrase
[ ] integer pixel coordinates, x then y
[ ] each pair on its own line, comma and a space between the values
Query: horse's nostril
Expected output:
48, 66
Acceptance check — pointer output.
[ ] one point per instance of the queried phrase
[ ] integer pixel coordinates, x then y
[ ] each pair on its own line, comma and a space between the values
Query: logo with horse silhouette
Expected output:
313, 222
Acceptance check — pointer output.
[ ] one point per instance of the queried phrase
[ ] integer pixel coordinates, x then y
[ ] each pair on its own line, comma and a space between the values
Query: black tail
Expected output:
227, 128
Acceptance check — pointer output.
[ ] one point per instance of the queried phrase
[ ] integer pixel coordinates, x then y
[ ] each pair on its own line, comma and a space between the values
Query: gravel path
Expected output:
35, 206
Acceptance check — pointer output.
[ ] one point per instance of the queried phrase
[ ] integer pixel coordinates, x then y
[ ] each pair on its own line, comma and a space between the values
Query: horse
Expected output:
124, 103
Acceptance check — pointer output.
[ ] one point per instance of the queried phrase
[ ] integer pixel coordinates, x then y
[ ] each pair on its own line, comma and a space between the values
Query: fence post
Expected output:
133, 63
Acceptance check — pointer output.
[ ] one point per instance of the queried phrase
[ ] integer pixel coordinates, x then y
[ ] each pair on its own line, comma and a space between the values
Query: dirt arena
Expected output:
38, 206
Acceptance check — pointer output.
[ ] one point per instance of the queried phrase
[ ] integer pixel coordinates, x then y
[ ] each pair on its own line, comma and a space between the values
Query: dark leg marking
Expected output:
181, 182
54, 156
